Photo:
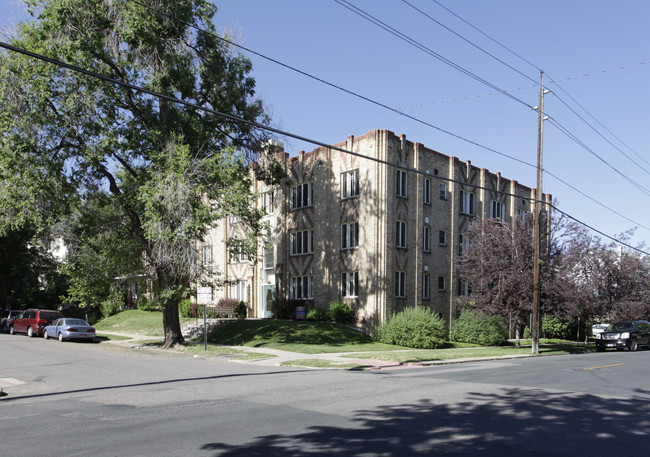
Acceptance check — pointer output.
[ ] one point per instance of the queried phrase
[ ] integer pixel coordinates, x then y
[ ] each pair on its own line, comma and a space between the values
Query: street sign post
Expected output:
204, 297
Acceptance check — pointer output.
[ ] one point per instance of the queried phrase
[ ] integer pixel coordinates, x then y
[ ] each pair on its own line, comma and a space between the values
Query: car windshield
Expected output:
76, 322
621, 327
50, 316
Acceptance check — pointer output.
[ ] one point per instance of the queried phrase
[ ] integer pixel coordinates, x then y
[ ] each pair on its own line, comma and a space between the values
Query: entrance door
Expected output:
267, 301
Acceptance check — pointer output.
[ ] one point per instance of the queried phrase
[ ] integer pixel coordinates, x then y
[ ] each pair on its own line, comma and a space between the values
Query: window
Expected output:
350, 184
302, 287
302, 196
302, 242
239, 291
426, 239
402, 188
427, 191
350, 235
442, 238
522, 214
443, 191
463, 244
268, 250
466, 203
267, 202
206, 255
236, 252
425, 286
350, 284
400, 234
400, 284
497, 210
463, 288
441, 283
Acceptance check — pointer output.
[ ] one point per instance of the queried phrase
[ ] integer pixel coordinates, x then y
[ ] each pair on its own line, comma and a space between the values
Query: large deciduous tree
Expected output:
498, 266
71, 143
606, 281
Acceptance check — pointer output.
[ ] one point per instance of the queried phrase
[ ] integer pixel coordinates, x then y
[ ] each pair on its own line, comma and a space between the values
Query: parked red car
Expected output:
33, 321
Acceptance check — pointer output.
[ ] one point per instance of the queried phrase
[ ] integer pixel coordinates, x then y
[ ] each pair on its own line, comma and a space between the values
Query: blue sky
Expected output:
596, 51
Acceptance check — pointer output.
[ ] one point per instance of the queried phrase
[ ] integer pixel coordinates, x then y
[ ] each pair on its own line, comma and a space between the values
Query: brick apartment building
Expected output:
378, 236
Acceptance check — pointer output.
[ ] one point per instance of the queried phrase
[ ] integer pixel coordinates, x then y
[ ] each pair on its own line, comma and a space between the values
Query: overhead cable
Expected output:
233, 118
367, 16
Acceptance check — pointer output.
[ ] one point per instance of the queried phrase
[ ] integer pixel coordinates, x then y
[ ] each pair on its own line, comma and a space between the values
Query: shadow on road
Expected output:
516, 422
151, 383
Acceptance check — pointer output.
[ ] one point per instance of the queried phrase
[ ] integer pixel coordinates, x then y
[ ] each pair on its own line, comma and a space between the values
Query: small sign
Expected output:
300, 312
204, 295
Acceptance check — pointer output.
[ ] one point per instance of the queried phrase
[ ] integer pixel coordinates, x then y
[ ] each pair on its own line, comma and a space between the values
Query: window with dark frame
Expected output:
302, 196
350, 235
350, 284
400, 234
350, 184
402, 183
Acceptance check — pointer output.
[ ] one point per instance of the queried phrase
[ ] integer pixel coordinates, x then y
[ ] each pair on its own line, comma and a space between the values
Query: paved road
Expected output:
101, 400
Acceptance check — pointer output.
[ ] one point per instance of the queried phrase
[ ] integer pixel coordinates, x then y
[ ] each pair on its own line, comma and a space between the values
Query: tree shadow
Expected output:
529, 422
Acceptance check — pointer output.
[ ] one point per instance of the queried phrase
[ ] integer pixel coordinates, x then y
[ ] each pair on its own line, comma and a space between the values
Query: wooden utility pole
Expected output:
537, 286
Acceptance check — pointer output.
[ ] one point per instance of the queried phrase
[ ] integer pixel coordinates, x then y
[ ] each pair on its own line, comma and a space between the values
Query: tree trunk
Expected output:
517, 334
172, 324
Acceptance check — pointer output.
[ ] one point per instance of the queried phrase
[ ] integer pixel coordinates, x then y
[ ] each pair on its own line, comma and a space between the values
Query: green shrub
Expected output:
552, 327
415, 327
341, 312
240, 310
477, 328
317, 314
285, 309
144, 304
185, 308
113, 304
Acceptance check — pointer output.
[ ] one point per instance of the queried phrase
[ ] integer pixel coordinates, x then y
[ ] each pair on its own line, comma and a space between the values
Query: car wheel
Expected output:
633, 345
600, 349
11, 330
45, 335
61, 337
30, 332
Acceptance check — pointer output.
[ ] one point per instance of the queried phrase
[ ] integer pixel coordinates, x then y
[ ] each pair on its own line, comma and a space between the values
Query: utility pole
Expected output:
538, 219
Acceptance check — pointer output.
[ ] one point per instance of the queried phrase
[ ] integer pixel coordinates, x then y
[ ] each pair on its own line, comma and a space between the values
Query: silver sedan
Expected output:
69, 329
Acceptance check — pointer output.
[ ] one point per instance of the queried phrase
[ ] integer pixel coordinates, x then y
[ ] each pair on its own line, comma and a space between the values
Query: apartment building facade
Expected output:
381, 228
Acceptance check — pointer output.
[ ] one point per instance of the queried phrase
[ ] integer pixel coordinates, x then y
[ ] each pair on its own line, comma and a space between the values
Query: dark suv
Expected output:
624, 335
8, 316
33, 321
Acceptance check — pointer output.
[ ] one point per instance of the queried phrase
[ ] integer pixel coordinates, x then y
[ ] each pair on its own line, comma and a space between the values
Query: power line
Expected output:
233, 118
468, 41
342, 89
594, 200
424, 48
488, 36
563, 129
367, 99
595, 130
378, 103
551, 81
592, 152
227, 116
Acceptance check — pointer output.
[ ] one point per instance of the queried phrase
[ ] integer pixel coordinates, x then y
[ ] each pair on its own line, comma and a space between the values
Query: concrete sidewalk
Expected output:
268, 356
277, 357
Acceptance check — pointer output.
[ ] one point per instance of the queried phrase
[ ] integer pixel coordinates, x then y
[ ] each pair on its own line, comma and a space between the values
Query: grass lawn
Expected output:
305, 337
310, 337
199, 349
429, 355
133, 321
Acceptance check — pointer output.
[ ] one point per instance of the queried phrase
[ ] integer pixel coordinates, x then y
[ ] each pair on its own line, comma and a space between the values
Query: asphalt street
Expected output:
104, 400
